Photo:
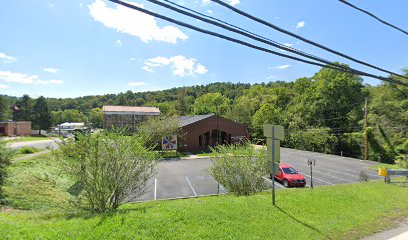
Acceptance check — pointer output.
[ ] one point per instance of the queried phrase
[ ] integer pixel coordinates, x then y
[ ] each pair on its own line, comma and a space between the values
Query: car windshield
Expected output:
289, 170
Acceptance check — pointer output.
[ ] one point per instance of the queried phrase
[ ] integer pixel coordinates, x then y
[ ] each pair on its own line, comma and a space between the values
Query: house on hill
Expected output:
126, 116
204, 131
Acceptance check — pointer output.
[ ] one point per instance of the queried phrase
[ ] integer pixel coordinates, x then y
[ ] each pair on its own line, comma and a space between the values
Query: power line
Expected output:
242, 13
251, 35
251, 45
373, 16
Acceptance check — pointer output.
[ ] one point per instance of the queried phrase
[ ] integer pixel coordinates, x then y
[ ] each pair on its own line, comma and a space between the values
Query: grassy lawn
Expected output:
37, 183
384, 165
28, 139
25, 151
172, 154
337, 212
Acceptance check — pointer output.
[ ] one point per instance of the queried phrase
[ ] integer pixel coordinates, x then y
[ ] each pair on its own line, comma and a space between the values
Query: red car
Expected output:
290, 177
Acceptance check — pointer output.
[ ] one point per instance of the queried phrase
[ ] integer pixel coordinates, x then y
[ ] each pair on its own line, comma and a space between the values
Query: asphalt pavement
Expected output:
41, 144
184, 178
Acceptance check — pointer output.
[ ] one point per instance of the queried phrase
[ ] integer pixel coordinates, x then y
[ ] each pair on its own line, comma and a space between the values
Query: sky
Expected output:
57, 48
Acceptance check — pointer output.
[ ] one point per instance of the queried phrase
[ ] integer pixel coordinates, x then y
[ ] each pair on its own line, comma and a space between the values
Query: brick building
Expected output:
126, 116
15, 128
200, 132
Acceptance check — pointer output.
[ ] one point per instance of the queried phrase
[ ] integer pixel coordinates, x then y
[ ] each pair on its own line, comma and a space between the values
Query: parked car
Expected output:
290, 177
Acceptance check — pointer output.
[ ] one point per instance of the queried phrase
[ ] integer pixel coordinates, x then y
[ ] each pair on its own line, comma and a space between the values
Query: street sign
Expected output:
274, 134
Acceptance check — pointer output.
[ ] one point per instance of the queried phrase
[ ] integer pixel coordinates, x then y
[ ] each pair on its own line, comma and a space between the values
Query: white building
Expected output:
68, 127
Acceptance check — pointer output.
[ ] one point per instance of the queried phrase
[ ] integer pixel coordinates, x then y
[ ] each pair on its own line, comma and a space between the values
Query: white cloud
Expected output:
210, 11
300, 24
7, 58
230, 2
136, 84
282, 67
180, 65
134, 23
8, 76
119, 43
270, 77
288, 44
2, 86
51, 70
51, 5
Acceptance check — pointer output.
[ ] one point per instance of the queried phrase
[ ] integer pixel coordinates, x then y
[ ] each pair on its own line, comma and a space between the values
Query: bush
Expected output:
27, 150
239, 168
107, 167
5, 157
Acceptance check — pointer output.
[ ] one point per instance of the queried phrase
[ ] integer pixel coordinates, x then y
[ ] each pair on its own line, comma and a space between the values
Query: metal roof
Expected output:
131, 109
187, 120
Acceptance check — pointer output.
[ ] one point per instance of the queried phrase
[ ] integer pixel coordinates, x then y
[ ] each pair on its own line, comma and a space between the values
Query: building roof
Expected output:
131, 109
72, 124
187, 120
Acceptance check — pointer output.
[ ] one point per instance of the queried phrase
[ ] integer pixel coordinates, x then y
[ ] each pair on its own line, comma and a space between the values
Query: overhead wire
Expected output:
373, 16
268, 24
253, 35
129, 5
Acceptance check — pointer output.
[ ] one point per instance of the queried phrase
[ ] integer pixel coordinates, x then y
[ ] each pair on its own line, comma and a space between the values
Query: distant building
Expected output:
126, 116
200, 132
69, 127
15, 128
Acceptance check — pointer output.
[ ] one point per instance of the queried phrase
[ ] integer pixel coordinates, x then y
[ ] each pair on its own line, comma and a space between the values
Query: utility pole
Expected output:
216, 115
366, 126
311, 163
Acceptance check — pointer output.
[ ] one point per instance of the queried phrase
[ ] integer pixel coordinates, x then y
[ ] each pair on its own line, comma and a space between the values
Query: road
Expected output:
188, 177
42, 144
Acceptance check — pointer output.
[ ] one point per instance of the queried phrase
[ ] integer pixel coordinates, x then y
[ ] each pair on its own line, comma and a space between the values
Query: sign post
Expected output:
274, 134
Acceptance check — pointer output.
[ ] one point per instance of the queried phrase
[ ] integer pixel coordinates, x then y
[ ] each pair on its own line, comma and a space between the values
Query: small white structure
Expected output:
68, 127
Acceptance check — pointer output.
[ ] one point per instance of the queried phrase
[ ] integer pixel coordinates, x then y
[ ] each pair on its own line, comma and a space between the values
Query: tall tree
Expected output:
208, 103
24, 109
42, 114
95, 117
4, 108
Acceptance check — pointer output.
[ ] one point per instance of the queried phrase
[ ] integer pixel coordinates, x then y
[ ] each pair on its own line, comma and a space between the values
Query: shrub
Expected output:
27, 150
239, 168
5, 157
107, 167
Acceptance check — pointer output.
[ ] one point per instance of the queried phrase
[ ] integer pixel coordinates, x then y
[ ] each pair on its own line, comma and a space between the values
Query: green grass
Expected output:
28, 139
384, 165
37, 183
172, 154
336, 212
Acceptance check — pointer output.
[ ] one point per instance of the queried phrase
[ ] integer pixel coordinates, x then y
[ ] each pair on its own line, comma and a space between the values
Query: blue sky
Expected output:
78, 47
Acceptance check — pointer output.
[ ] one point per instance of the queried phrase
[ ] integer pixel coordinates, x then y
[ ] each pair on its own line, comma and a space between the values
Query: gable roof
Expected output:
187, 120
131, 109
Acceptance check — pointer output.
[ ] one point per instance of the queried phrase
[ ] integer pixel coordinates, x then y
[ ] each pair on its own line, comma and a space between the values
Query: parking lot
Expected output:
188, 177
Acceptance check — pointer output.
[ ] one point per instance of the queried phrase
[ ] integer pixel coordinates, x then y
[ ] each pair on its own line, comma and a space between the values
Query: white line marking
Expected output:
218, 183
334, 176
318, 179
269, 180
354, 175
195, 194
155, 188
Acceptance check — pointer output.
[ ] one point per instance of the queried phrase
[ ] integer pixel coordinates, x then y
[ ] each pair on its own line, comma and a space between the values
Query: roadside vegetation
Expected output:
335, 212
240, 168
106, 167
5, 160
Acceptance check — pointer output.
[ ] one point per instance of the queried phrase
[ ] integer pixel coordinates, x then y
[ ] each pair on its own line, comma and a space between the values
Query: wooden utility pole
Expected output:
366, 126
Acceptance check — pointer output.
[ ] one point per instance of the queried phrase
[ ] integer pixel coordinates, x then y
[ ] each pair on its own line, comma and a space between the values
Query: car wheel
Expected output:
285, 183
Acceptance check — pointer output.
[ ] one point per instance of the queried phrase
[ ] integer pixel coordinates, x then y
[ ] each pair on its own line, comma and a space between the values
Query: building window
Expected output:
207, 139
200, 140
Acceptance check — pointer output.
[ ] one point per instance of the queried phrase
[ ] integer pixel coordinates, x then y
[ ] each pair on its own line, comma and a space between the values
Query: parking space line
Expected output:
155, 188
195, 194
334, 176
318, 179
218, 183
276, 183
349, 173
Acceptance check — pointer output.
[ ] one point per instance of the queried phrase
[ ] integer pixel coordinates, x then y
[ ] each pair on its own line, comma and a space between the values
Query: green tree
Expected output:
95, 117
4, 108
25, 109
5, 158
153, 129
208, 103
41, 114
